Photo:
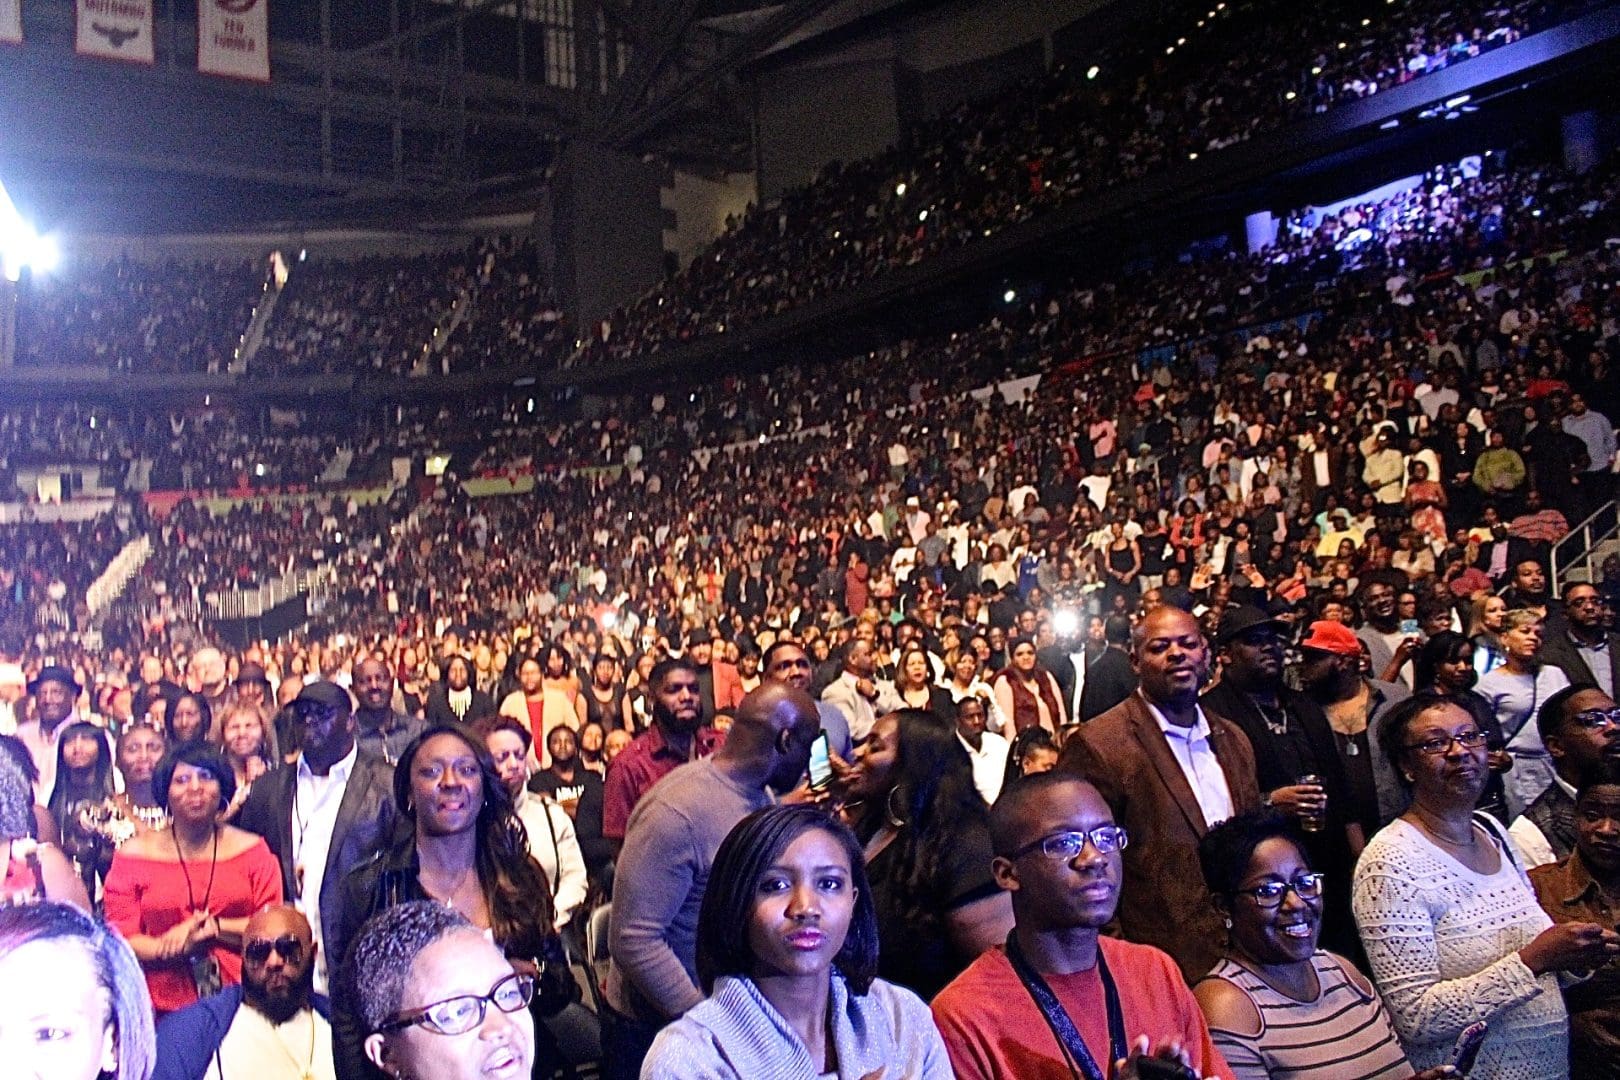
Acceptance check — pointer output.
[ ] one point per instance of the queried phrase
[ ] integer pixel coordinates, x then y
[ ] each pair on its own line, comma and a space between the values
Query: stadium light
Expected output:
1092, 71
21, 246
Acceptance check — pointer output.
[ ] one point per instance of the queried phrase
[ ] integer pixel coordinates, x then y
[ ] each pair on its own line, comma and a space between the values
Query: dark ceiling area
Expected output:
378, 112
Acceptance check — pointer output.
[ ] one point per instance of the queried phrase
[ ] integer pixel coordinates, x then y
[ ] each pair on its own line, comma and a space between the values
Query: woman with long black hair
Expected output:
84, 779
466, 849
911, 799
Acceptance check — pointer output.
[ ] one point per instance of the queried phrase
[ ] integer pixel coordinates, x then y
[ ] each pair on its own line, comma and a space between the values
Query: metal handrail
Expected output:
1589, 543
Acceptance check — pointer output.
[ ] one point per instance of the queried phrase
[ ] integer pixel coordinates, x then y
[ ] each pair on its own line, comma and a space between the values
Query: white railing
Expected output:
253, 603
109, 585
1578, 550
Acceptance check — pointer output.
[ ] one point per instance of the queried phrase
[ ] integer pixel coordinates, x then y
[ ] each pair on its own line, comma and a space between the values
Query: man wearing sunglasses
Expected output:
1580, 726
271, 1027
1060, 1000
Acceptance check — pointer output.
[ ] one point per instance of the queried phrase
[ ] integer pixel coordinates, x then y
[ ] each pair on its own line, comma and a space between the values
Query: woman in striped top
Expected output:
1277, 1006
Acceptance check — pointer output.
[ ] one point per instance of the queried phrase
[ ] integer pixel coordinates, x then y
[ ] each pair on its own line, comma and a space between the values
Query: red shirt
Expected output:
149, 896
647, 760
992, 1027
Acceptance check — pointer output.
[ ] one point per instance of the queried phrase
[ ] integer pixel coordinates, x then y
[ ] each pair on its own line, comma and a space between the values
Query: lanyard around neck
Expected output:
1081, 1063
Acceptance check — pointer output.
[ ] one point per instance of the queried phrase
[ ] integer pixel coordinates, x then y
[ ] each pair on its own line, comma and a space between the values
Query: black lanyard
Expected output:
1079, 1059
213, 864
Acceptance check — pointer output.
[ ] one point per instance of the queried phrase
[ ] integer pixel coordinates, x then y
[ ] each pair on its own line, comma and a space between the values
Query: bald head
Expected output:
278, 963
772, 731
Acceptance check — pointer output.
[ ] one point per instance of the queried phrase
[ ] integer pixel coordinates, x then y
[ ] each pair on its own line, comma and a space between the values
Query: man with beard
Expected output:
1291, 740
669, 848
1060, 995
379, 728
1581, 730
1169, 770
677, 735
1579, 645
1331, 678
1381, 628
271, 1027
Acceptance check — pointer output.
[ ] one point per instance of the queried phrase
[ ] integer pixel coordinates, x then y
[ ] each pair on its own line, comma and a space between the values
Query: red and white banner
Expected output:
233, 38
11, 22
117, 29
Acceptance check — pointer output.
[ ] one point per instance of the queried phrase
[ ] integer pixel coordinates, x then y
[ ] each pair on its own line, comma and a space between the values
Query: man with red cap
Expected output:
1331, 675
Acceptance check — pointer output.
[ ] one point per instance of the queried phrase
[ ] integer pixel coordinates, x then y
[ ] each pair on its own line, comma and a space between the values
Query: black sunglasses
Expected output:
290, 948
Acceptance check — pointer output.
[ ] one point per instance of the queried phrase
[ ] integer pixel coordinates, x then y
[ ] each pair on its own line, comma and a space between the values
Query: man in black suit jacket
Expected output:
1110, 679
1577, 644
332, 800
1068, 659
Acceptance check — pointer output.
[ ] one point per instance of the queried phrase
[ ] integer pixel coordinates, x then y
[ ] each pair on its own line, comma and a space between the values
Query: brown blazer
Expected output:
1164, 902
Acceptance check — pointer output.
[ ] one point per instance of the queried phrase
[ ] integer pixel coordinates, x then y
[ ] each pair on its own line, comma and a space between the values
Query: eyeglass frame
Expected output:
1314, 879
1440, 745
1089, 836
419, 1017
289, 947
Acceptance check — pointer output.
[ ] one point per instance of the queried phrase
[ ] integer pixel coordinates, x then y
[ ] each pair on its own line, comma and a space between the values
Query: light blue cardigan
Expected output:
737, 1034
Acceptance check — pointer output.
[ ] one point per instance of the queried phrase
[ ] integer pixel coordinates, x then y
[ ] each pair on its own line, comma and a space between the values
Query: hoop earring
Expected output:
894, 817
1227, 923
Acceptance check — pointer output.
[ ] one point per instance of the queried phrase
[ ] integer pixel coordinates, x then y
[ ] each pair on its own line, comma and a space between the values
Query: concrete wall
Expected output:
700, 207
838, 108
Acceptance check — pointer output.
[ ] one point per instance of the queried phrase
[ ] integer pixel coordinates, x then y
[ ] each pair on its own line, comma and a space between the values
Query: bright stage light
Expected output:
20, 245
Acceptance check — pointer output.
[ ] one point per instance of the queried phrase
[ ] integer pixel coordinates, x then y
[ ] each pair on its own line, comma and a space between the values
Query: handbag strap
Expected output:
1080, 1061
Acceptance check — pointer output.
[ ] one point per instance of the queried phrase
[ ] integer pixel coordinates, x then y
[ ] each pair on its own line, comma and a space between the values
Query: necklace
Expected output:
1471, 842
307, 1069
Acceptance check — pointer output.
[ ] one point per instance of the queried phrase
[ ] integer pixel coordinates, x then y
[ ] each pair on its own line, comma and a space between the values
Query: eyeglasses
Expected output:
459, 1015
257, 952
1270, 895
1441, 744
1582, 601
1107, 839
1593, 719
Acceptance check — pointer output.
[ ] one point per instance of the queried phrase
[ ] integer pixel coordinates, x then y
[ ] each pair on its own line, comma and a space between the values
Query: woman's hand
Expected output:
1570, 947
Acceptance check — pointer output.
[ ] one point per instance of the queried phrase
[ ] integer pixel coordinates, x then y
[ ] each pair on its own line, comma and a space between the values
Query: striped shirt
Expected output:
1344, 1034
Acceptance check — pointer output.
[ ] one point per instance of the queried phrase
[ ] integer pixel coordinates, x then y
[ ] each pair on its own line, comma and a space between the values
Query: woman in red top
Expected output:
182, 897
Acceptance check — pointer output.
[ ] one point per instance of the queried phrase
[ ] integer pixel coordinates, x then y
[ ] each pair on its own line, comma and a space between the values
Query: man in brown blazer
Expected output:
1168, 770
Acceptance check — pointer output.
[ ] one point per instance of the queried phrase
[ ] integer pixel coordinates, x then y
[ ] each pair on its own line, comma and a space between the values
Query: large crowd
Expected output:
1174, 675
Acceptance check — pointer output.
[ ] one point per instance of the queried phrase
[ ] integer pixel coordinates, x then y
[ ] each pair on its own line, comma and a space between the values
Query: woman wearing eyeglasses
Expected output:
787, 950
438, 999
1450, 923
466, 850
1277, 1005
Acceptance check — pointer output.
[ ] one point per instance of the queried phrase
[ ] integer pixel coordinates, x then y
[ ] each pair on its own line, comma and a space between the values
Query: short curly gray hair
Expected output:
380, 961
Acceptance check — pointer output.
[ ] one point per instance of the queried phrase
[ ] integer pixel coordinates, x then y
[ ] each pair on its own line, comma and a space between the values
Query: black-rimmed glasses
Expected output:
1107, 839
1270, 895
1441, 744
459, 1015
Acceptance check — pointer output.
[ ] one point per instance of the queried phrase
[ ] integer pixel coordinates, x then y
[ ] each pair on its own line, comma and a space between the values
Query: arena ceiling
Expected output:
383, 109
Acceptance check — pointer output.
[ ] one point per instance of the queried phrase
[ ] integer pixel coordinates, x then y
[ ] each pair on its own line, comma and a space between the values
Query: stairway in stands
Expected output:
1579, 556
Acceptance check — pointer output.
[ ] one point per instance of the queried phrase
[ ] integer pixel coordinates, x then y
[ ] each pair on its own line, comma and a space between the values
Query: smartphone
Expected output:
1467, 1048
1152, 1068
1409, 626
821, 773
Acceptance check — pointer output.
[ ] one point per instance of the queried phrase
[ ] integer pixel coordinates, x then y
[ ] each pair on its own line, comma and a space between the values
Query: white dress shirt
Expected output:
989, 763
1199, 765
314, 816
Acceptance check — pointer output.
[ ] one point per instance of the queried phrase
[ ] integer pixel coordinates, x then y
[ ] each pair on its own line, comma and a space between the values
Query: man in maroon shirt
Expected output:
677, 735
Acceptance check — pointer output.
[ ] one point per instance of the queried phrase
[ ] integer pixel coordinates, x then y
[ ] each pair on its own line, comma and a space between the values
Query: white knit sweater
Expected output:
1443, 942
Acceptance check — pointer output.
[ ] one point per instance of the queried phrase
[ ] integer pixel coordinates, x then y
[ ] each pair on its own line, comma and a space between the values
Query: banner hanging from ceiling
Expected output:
11, 22
233, 38
116, 29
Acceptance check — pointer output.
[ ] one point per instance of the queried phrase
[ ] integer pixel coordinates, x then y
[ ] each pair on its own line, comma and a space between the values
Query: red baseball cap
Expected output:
1326, 635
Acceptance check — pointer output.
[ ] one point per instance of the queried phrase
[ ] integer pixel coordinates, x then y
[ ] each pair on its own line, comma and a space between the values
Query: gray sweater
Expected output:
669, 846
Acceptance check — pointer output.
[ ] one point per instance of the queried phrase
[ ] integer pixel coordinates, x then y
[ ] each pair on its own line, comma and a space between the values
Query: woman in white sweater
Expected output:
1449, 921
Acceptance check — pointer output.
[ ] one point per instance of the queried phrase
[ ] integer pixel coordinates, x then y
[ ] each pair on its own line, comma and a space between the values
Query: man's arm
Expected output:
655, 874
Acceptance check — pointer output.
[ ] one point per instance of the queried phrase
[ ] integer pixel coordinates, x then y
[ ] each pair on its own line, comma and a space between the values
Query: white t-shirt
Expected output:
300, 1048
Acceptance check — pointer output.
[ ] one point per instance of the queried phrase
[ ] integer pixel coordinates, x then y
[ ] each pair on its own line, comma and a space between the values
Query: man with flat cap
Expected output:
56, 693
326, 811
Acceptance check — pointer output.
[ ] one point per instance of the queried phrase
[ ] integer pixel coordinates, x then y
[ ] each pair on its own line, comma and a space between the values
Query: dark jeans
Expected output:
625, 1043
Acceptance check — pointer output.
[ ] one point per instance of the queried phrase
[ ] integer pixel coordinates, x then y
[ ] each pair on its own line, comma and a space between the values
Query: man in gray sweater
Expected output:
669, 846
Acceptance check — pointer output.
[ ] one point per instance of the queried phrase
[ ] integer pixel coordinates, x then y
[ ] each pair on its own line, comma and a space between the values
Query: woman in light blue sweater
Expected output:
787, 951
